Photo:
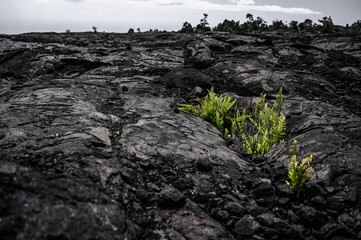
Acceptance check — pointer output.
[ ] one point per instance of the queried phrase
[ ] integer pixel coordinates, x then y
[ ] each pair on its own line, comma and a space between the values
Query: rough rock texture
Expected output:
94, 147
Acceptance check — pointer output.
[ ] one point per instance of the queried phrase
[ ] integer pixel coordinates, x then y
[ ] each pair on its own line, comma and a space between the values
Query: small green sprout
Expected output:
298, 173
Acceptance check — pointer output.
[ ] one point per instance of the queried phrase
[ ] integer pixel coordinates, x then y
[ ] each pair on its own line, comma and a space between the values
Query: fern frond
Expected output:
226, 134
188, 108
298, 173
216, 110
293, 149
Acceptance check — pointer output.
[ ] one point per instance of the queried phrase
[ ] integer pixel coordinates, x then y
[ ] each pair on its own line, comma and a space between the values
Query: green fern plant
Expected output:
298, 173
260, 130
267, 128
215, 109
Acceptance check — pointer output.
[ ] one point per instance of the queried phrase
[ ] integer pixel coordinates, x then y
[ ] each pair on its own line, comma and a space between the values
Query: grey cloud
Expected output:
216, 1
222, 2
171, 4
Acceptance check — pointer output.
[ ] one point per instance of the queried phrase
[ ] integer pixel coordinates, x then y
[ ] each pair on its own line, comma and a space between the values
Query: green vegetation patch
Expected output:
260, 130
266, 127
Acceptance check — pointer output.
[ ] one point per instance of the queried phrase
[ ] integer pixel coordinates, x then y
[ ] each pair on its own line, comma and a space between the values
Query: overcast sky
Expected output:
18, 16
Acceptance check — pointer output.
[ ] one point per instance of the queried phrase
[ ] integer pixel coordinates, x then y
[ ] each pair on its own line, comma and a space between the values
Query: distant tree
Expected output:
253, 24
187, 28
204, 25
259, 24
308, 24
327, 25
356, 26
138, 30
246, 27
228, 26
130, 31
67, 31
264, 25
278, 25
204, 21
293, 25
301, 26
249, 17
95, 29
324, 25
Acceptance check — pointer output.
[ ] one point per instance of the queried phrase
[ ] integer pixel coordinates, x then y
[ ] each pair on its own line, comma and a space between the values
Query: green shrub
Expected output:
215, 109
298, 173
267, 126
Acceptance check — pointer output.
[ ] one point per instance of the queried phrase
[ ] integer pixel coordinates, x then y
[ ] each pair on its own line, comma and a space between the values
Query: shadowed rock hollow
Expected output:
93, 146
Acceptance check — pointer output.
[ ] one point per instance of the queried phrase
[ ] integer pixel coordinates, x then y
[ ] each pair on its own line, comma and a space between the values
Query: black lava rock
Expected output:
311, 217
247, 226
171, 197
204, 165
186, 78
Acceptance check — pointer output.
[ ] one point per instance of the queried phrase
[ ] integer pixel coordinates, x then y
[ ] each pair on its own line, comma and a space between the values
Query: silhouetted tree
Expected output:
278, 25
228, 26
259, 23
187, 28
306, 25
130, 31
95, 29
264, 25
248, 25
356, 24
301, 26
293, 25
253, 24
327, 25
356, 27
249, 17
204, 25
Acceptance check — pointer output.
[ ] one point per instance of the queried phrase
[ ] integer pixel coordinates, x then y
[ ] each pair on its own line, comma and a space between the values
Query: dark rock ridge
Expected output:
93, 146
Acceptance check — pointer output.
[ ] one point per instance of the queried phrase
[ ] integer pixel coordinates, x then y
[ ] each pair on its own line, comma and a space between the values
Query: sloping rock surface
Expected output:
94, 147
